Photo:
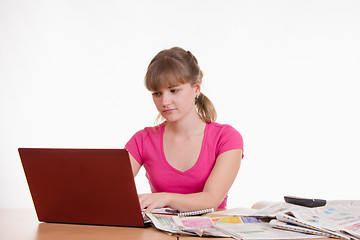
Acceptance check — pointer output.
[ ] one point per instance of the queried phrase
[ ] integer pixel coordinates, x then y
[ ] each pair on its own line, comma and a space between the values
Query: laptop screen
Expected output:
84, 186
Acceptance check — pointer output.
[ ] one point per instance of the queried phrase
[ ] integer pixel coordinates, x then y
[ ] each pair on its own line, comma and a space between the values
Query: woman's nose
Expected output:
166, 99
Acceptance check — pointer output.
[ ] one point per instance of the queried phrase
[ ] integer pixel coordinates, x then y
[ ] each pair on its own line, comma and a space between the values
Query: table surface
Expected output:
16, 224
22, 224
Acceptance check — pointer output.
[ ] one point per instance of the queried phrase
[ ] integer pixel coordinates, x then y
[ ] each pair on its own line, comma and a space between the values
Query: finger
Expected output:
152, 204
143, 197
145, 202
150, 208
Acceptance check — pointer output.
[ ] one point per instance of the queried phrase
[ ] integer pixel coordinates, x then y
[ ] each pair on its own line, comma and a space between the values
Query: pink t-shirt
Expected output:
146, 146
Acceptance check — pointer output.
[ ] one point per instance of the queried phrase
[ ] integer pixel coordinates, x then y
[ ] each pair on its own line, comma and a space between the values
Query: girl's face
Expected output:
175, 103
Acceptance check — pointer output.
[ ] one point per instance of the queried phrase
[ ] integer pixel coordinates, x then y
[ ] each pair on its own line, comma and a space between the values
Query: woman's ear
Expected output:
197, 87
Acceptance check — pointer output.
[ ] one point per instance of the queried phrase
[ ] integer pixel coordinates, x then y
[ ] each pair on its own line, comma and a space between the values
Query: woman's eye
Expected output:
174, 90
156, 93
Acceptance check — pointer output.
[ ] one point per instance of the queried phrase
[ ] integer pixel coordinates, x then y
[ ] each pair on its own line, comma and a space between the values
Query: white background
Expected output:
283, 73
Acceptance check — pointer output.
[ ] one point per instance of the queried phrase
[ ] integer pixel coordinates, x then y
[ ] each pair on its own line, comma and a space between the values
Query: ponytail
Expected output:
205, 109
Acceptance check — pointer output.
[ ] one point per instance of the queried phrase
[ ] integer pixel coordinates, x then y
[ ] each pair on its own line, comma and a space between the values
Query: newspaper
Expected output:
199, 226
271, 209
296, 228
237, 227
337, 219
260, 231
263, 209
196, 226
343, 220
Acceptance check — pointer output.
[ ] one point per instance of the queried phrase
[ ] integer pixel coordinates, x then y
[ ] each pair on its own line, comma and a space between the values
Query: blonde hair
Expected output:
176, 66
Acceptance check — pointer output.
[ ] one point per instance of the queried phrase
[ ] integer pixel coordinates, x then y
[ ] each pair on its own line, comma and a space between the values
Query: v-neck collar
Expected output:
162, 150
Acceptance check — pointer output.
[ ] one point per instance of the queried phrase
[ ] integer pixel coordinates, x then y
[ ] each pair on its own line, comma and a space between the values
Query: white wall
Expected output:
284, 73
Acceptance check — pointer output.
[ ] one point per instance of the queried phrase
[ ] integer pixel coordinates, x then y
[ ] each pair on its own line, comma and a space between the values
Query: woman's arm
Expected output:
135, 166
216, 187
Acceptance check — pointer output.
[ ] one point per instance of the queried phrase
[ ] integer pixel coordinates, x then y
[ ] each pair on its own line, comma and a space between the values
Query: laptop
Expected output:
82, 186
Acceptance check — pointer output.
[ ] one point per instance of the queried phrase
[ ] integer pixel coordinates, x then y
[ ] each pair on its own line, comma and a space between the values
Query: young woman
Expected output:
190, 160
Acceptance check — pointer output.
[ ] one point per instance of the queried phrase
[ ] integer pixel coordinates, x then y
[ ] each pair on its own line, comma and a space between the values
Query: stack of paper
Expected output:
259, 231
245, 228
199, 226
336, 221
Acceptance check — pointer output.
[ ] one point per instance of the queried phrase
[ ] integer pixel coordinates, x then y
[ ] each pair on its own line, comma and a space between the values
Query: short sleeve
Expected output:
229, 139
135, 146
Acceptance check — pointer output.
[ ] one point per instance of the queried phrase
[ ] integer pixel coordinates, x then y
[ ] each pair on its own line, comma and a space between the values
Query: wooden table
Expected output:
22, 224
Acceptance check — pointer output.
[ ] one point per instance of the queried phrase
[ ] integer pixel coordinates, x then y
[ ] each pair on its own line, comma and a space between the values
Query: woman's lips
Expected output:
167, 111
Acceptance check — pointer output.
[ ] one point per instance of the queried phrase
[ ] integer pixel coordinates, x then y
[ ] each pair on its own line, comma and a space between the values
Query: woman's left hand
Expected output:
151, 201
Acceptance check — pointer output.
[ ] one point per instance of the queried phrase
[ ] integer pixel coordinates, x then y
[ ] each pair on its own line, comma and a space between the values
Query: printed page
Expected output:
235, 212
198, 226
261, 209
262, 204
277, 207
353, 230
337, 219
257, 231
166, 223
351, 204
202, 226
291, 227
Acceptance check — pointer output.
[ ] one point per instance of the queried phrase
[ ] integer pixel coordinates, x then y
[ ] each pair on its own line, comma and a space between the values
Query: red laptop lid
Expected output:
85, 186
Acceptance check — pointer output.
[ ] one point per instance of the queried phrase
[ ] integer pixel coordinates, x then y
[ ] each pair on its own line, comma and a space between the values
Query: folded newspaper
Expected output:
260, 231
332, 220
245, 228
198, 226
338, 219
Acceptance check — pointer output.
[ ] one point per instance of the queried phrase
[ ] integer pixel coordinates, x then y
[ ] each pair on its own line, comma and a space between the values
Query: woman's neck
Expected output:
186, 126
